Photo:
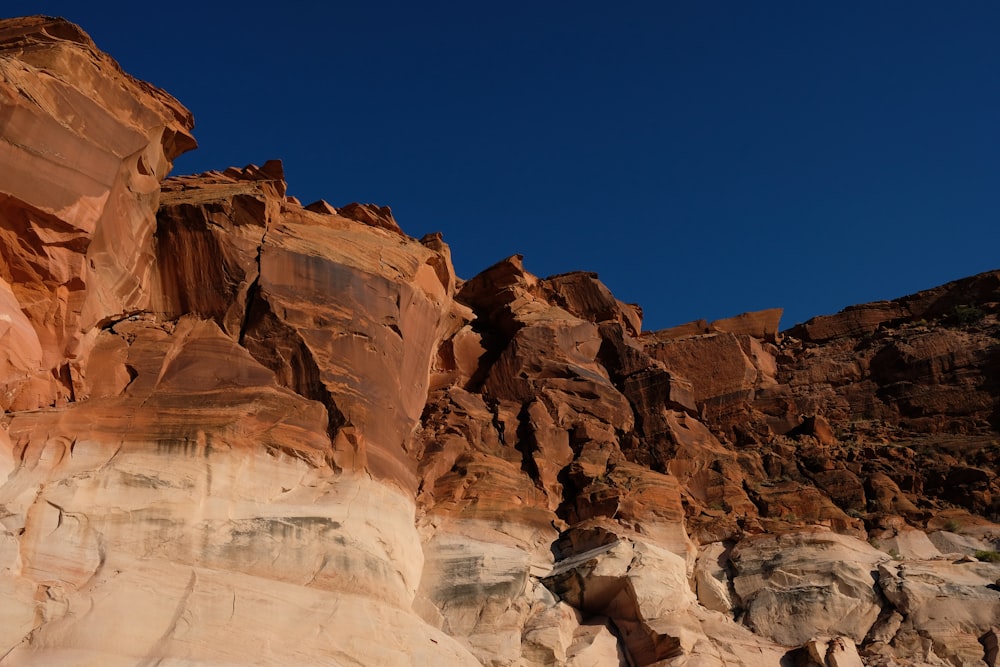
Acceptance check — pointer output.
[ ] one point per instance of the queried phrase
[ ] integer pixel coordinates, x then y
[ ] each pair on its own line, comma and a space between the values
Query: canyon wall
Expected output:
242, 430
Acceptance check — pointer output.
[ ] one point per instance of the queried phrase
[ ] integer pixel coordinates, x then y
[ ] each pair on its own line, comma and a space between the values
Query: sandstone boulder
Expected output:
954, 603
800, 585
633, 583
835, 652
711, 579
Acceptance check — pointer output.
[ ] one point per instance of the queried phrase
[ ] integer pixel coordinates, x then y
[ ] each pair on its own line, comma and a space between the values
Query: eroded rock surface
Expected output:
83, 147
241, 430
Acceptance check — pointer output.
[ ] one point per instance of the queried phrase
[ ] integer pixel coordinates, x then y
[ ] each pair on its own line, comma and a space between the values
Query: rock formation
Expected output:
239, 430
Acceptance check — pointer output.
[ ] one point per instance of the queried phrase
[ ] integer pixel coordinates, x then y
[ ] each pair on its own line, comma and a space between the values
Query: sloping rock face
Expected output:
83, 149
239, 430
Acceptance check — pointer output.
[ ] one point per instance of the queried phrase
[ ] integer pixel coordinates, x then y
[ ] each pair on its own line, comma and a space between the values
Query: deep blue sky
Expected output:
705, 158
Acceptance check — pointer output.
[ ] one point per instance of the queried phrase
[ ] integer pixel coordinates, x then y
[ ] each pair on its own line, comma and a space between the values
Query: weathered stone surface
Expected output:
852, 321
948, 542
835, 652
991, 645
902, 541
551, 633
720, 372
476, 587
370, 214
631, 582
711, 578
83, 147
201, 492
360, 320
595, 644
954, 603
938, 302
21, 354
761, 324
801, 585
252, 431
585, 296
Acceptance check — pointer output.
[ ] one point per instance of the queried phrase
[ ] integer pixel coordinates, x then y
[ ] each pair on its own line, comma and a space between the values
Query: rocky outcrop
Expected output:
345, 313
238, 429
230, 382
762, 324
83, 147
822, 580
947, 608
959, 302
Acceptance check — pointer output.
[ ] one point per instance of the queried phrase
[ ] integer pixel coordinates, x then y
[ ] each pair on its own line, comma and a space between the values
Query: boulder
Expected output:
800, 585
711, 579
955, 603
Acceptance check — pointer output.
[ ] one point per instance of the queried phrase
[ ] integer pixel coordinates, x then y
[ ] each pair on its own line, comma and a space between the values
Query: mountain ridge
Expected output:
240, 429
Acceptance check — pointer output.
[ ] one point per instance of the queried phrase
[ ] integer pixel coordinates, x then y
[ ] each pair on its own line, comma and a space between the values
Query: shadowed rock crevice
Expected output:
603, 580
278, 347
490, 295
253, 303
525, 443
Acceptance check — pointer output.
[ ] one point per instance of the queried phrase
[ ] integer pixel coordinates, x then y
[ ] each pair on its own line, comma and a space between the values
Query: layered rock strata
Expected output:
239, 430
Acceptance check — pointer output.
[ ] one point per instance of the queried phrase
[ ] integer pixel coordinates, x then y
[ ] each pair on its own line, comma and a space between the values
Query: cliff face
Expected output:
240, 430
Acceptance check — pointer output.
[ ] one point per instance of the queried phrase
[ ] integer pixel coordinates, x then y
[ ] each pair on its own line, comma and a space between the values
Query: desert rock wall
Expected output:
240, 430
83, 150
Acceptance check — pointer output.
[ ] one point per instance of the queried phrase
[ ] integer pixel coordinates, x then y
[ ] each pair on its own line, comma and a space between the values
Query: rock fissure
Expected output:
253, 292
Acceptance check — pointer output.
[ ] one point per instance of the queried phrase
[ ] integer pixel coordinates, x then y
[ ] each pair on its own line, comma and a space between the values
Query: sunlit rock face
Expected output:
823, 580
218, 469
346, 313
194, 515
83, 147
240, 430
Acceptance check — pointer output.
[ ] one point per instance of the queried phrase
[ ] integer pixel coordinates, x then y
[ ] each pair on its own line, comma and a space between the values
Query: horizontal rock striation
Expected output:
239, 430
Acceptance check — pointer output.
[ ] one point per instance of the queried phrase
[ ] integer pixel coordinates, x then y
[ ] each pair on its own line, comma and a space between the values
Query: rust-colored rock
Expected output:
369, 214
956, 301
82, 150
233, 427
761, 324
586, 297
854, 321
722, 376
367, 310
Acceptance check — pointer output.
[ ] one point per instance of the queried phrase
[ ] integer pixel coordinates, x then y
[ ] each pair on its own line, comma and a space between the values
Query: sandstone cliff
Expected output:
240, 430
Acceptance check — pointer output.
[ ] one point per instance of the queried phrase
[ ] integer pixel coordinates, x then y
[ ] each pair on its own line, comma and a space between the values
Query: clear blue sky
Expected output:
705, 158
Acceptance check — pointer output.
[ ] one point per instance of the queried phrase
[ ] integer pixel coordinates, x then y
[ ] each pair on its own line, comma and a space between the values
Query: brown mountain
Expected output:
240, 430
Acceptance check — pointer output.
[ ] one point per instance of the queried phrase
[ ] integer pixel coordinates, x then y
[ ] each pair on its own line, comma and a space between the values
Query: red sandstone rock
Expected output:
722, 376
938, 302
586, 297
267, 420
761, 324
83, 149
370, 214
369, 310
853, 321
